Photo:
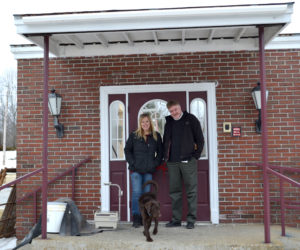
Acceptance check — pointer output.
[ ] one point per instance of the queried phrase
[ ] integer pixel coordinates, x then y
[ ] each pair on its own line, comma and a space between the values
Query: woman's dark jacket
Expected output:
192, 139
142, 156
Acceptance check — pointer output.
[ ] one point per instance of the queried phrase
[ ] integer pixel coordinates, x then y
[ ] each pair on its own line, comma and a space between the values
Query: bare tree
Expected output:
8, 109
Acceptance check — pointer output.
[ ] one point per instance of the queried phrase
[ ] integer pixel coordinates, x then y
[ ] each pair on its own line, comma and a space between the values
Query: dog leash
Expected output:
163, 168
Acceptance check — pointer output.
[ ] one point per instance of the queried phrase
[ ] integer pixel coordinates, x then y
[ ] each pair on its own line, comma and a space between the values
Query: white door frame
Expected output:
209, 87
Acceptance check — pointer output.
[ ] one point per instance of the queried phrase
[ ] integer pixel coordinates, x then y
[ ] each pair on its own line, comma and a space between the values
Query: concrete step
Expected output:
223, 236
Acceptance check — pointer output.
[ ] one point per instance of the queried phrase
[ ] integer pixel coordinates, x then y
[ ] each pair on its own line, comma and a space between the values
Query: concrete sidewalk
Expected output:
224, 236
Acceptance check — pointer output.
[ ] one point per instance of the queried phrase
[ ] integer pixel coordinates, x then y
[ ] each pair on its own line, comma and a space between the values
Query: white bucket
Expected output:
55, 213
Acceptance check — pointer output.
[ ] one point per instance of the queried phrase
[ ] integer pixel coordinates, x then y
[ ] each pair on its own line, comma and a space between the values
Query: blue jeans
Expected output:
137, 182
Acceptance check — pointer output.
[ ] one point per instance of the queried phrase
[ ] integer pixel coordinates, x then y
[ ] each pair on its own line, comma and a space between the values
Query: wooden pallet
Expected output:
8, 218
2, 175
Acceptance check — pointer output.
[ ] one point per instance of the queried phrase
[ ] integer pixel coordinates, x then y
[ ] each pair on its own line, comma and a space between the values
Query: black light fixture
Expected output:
54, 104
256, 95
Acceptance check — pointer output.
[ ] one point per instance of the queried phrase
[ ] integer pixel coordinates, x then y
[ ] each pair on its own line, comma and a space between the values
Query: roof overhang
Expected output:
159, 31
28, 51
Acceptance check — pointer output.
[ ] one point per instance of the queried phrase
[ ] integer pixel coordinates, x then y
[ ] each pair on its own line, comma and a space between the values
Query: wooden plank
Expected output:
8, 219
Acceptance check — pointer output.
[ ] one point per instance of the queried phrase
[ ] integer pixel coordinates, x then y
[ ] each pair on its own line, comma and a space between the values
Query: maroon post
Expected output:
282, 206
264, 134
45, 138
35, 207
73, 184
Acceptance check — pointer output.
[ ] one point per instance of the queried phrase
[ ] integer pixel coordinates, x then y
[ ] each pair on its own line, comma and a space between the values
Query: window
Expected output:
158, 111
198, 109
117, 130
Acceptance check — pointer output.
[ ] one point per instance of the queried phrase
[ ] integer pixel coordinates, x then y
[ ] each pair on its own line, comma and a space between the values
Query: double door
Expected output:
123, 118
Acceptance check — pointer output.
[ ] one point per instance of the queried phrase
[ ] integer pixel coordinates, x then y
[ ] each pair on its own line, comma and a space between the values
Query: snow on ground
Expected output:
4, 196
7, 243
10, 163
11, 159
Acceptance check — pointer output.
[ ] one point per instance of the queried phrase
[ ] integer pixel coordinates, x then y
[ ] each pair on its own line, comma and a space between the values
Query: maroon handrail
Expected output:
287, 179
56, 178
20, 179
282, 178
34, 192
288, 169
291, 203
282, 205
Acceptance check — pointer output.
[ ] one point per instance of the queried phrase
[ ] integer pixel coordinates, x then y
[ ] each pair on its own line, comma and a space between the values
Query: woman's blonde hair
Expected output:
140, 131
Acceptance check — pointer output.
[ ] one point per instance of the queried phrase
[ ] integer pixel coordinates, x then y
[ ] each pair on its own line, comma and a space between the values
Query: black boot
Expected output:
136, 221
140, 220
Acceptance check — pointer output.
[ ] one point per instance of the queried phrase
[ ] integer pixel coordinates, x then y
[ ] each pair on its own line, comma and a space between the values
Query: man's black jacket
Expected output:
192, 139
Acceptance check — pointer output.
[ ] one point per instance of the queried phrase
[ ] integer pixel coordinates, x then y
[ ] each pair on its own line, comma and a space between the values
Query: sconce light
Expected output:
54, 104
256, 95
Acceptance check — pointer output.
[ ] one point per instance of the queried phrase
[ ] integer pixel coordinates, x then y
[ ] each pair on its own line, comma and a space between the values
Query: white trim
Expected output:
285, 42
213, 154
187, 101
105, 190
27, 51
281, 42
110, 131
74, 26
128, 172
205, 122
154, 19
212, 133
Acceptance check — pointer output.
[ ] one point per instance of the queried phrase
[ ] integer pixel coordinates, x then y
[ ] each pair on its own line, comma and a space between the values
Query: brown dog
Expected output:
150, 210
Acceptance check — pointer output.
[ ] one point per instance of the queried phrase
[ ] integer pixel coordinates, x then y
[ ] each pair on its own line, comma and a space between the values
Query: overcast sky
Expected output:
11, 7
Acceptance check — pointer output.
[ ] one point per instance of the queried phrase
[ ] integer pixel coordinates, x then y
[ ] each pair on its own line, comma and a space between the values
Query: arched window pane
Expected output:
198, 109
158, 111
117, 130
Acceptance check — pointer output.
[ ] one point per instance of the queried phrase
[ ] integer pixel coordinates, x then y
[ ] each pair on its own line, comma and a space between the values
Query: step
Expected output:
223, 236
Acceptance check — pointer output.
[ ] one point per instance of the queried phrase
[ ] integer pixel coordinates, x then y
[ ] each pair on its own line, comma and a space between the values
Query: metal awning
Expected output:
173, 30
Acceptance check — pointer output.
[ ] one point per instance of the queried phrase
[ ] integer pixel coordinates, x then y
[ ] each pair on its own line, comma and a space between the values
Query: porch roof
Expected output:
213, 28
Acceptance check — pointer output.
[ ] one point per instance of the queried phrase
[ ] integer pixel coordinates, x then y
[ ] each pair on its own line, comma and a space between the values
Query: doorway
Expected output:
123, 107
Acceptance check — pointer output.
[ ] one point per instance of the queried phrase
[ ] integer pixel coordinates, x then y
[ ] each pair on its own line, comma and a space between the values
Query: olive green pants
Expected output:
187, 172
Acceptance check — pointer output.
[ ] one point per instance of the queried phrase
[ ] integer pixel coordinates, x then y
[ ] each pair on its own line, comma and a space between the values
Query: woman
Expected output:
143, 152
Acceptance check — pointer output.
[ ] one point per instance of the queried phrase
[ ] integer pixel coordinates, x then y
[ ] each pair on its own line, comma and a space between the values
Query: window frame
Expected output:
110, 130
205, 130
161, 132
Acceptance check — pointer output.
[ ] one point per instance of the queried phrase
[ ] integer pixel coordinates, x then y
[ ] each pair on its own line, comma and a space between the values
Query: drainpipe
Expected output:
264, 134
45, 138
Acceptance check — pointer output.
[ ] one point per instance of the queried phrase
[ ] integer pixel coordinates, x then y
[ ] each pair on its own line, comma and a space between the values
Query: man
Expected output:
183, 143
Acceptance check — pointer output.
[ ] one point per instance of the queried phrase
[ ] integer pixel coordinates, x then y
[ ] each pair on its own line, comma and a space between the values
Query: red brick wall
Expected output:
78, 81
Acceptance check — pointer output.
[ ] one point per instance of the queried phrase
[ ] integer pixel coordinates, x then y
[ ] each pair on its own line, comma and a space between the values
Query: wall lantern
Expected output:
54, 104
256, 95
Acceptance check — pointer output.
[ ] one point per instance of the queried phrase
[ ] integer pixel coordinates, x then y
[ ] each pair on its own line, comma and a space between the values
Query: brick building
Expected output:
110, 72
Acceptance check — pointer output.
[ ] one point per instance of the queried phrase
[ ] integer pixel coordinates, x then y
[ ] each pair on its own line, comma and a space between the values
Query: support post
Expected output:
35, 207
73, 184
264, 134
45, 138
282, 206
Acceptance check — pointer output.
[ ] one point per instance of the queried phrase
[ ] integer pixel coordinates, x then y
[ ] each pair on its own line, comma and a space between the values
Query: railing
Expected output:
282, 178
34, 192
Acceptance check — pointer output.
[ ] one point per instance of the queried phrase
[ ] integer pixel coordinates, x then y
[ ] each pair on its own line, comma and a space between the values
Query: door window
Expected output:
158, 111
198, 109
117, 130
